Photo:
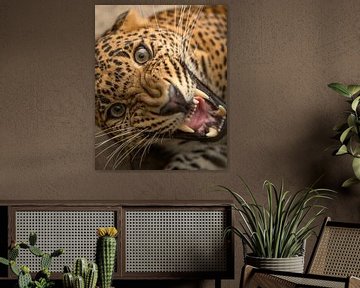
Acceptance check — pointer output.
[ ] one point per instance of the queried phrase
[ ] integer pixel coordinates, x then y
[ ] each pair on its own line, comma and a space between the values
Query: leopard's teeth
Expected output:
186, 128
221, 111
213, 132
195, 101
201, 94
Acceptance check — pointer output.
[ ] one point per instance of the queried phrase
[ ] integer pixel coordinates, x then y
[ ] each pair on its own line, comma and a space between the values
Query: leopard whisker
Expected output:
120, 159
194, 21
98, 145
146, 150
156, 21
112, 145
112, 130
183, 38
124, 144
152, 140
103, 130
189, 33
141, 148
182, 12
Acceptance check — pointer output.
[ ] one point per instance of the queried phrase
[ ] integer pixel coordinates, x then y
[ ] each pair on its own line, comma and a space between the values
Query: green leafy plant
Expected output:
42, 278
349, 132
279, 229
43, 283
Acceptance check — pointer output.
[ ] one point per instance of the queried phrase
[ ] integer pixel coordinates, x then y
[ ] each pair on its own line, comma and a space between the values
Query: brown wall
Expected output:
282, 54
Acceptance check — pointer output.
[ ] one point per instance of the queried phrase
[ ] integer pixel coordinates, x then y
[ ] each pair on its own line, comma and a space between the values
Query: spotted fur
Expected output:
133, 98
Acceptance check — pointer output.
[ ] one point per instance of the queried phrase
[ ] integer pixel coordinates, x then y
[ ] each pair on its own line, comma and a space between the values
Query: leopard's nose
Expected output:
176, 103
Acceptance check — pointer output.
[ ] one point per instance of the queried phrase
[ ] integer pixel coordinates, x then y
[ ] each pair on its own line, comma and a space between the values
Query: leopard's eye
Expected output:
142, 55
117, 110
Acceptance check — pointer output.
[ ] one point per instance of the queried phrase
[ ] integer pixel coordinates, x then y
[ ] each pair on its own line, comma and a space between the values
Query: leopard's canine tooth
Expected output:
213, 132
198, 92
221, 111
186, 128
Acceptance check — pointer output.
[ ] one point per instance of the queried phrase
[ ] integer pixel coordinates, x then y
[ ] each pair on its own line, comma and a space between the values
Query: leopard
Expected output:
160, 90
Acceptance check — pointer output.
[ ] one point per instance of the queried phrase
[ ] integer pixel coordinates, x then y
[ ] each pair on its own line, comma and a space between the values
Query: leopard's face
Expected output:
146, 87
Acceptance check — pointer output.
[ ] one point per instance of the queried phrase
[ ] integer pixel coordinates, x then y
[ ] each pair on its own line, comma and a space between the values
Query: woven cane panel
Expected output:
175, 241
338, 253
305, 282
74, 231
260, 280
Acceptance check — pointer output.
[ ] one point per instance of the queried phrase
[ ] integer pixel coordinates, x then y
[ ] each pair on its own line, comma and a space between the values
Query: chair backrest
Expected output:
337, 251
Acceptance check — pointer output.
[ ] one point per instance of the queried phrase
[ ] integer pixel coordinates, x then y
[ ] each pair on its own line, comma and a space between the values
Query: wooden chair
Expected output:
334, 263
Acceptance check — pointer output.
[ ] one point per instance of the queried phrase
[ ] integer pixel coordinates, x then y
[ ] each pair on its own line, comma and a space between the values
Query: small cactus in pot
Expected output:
106, 254
85, 275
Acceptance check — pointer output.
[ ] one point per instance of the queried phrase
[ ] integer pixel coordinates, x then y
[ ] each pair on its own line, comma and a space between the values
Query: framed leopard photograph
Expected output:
160, 87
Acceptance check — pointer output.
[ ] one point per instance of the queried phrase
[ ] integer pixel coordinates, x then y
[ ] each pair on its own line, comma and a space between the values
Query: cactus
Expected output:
14, 268
68, 280
80, 268
87, 272
91, 276
67, 269
24, 246
57, 252
42, 278
43, 274
32, 238
45, 261
105, 254
13, 253
24, 280
4, 261
36, 251
79, 282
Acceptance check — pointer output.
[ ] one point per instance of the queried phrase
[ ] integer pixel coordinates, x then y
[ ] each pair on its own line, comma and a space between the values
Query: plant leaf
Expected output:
345, 134
349, 182
354, 145
342, 150
356, 167
4, 261
351, 120
355, 103
340, 88
353, 89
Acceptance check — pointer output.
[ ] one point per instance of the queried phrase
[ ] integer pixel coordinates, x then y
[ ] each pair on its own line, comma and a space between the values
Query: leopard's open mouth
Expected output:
206, 119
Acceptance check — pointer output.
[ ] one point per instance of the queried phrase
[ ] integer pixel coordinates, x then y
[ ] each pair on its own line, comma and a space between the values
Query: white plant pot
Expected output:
291, 264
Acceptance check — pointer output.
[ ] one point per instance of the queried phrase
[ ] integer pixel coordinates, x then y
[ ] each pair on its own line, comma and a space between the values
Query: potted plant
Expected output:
83, 275
42, 278
106, 254
348, 132
87, 274
276, 233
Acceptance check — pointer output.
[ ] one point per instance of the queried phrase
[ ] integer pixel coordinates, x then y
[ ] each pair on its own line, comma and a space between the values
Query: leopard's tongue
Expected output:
206, 118
200, 116
201, 120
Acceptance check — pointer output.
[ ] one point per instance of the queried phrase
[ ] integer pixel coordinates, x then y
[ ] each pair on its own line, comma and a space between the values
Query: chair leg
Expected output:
217, 283
246, 276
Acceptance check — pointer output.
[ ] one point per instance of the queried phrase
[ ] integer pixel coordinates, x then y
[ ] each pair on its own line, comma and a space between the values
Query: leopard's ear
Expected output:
129, 21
